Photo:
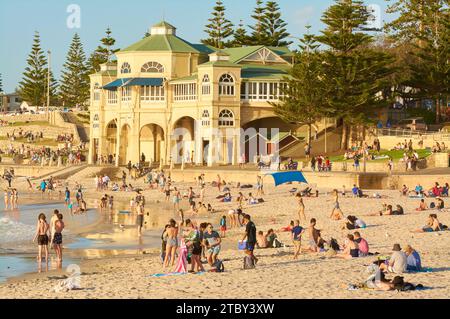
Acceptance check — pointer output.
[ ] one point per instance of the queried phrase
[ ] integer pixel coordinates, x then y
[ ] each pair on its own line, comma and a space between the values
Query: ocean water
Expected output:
12, 231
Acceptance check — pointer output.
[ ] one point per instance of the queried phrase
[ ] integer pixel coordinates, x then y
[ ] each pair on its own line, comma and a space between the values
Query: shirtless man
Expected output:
313, 235
301, 207
52, 224
42, 229
57, 238
172, 243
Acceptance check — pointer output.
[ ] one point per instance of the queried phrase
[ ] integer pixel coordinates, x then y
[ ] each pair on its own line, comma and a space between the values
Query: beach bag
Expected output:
277, 243
260, 200
249, 262
432, 205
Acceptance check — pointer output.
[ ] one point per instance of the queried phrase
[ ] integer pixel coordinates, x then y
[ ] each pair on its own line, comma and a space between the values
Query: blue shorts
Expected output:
250, 246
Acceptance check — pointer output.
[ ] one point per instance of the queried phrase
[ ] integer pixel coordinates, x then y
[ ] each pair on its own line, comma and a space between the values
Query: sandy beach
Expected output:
276, 275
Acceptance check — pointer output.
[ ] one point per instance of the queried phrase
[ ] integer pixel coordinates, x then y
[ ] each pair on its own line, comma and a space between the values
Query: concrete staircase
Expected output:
63, 173
90, 171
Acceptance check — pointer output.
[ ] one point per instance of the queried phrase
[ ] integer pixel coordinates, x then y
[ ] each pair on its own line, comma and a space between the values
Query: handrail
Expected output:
425, 135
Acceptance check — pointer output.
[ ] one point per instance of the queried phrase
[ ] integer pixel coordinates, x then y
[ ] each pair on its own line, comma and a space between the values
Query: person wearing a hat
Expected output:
398, 261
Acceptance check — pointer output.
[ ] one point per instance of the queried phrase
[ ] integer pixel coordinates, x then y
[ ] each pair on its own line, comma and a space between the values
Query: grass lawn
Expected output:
40, 123
396, 155
41, 142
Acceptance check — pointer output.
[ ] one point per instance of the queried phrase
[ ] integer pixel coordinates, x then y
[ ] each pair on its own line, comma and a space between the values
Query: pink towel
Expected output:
182, 258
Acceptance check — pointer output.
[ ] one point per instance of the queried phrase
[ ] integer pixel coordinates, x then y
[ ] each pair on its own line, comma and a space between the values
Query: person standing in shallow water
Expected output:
57, 238
41, 235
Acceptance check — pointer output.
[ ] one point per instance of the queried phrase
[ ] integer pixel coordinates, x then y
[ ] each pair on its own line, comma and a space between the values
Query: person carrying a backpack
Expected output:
250, 235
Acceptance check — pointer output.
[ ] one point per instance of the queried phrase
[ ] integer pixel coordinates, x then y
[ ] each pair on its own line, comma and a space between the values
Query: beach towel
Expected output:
182, 258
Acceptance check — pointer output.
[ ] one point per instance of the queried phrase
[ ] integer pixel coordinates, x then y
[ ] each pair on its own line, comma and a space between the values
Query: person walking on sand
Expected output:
336, 213
219, 182
172, 243
313, 235
176, 198
250, 235
301, 207
202, 193
296, 238
57, 238
41, 235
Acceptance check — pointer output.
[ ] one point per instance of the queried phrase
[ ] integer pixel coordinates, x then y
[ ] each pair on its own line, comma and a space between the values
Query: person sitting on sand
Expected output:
355, 191
336, 213
261, 240
351, 248
422, 206
387, 210
404, 191
378, 280
413, 261
363, 245
252, 200
398, 210
440, 203
272, 239
350, 223
431, 225
397, 262
418, 190
210, 209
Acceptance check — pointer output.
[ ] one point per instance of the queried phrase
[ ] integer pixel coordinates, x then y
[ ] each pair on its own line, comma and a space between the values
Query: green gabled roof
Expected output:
192, 77
204, 48
237, 54
162, 42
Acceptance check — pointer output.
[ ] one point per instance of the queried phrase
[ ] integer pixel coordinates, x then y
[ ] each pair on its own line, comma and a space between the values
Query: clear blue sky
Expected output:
128, 20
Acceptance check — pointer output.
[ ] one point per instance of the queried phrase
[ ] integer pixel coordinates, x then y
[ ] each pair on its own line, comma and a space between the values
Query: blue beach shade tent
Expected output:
286, 177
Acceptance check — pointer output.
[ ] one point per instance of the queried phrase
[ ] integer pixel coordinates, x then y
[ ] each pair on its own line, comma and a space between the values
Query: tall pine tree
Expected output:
219, 28
103, 53
1, 84
354, 72
258, 36
274, 27
424, 25
33, 87
74, 89
241, 37
304, 101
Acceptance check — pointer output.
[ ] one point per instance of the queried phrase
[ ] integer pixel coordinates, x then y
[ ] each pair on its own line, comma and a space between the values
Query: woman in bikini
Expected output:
172, 243
351, 248
432, 225
7, 198
336, 213
176, 198
42, 231
301, 207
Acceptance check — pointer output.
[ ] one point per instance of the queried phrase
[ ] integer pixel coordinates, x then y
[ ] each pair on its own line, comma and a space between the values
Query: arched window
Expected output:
112, 125
226, 85
205, 118
226, 118
206, 85
126, 68
152, 67
96, 92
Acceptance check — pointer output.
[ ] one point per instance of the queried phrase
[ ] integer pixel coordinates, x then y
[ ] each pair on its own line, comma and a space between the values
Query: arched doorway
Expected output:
151, 140
184, 140
111, 137
124, 145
